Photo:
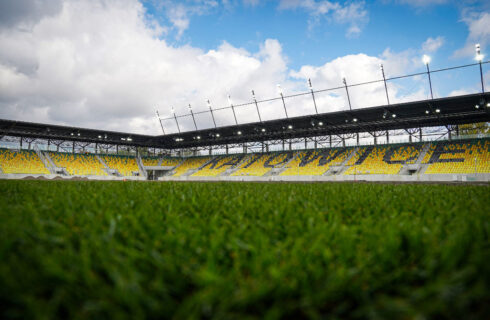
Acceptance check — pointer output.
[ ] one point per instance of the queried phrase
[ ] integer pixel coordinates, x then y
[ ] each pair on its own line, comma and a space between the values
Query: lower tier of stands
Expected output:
443, 157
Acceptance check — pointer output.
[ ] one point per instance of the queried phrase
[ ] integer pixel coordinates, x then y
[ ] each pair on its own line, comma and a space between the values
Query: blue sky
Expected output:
387, 24
111, 63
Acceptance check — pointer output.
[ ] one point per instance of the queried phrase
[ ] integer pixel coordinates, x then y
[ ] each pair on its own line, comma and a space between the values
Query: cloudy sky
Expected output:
111, 63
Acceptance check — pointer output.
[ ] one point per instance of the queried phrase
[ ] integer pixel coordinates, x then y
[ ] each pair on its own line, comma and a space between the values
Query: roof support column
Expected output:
306, 143
387, 136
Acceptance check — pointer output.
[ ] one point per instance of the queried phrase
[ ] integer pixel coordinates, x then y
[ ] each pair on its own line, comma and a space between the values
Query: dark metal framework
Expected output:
444, 112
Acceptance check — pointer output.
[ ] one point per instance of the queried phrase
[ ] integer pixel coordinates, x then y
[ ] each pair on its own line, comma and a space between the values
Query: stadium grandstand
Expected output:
422, 140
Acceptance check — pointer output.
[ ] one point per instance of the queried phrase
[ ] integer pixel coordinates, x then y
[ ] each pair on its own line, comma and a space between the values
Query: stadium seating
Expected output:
190, 164
24, 161
78, 164
217, 166
260, 164
125, 165
458, 157
442, 157
382, 159
150, 161
315, 162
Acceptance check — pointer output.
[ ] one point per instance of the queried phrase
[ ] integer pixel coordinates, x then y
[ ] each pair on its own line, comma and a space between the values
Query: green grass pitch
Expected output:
91, 250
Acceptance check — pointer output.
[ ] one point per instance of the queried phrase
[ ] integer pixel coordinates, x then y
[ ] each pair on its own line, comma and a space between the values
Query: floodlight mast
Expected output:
160, 121
312, 94
384, 80
347, 90
175, 117
256, 105
232, 109
282, 98
193, 118
426, 60
479, 58
211, 110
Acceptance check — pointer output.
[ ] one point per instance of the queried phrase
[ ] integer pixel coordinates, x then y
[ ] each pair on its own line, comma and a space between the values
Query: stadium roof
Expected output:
427, 113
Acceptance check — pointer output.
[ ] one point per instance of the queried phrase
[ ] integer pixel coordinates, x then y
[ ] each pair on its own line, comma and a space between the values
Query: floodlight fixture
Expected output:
263, 130
354, 120
279, 89
478, 56
290, 127
488, 105
477, 106
393, 115
438, 110
425, 59
123, 139
217, 135
320, 123
72, 134
100, 137
239, 132
129, 139
427, 111
198, 137
78, 134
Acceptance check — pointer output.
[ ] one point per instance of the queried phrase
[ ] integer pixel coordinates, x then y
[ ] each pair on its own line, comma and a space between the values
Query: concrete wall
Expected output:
484, 177
371, 177
55, 176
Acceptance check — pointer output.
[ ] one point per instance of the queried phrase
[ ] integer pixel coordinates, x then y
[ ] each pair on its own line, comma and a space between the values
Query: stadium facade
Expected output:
354, 144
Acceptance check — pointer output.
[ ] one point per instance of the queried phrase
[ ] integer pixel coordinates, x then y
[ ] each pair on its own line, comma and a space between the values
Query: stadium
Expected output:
288, 206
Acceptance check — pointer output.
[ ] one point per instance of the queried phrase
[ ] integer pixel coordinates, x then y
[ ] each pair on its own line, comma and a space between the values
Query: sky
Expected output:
109, 64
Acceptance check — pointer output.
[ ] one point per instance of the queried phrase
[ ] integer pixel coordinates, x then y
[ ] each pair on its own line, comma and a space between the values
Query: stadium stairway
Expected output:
340, 169
109, 171
281, 169
141, 167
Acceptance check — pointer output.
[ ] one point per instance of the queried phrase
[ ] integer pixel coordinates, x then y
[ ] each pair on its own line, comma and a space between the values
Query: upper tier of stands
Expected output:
443, 157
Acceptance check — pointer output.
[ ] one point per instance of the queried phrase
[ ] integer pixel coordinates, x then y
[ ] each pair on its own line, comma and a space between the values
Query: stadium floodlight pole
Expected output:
426, 60
347, 90
312, 94
160, 120
384, 80
282, 98
232, 109
479, 58
193, 118
211, 110
175, 117
256, 105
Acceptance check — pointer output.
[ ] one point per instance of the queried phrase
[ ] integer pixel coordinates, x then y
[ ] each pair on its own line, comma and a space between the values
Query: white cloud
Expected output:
353, 14
432, 44
423, 3
102, 65
479, 32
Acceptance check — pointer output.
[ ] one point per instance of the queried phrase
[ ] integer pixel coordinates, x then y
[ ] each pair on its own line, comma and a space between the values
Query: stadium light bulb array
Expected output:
425, 59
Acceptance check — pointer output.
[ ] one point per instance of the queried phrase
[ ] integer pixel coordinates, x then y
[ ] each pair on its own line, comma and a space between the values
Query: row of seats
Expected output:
458, 157
78, 164
450, 157
382, 159
23, 161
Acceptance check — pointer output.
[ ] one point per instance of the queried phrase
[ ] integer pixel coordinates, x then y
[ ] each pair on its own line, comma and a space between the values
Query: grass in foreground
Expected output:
238, 250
